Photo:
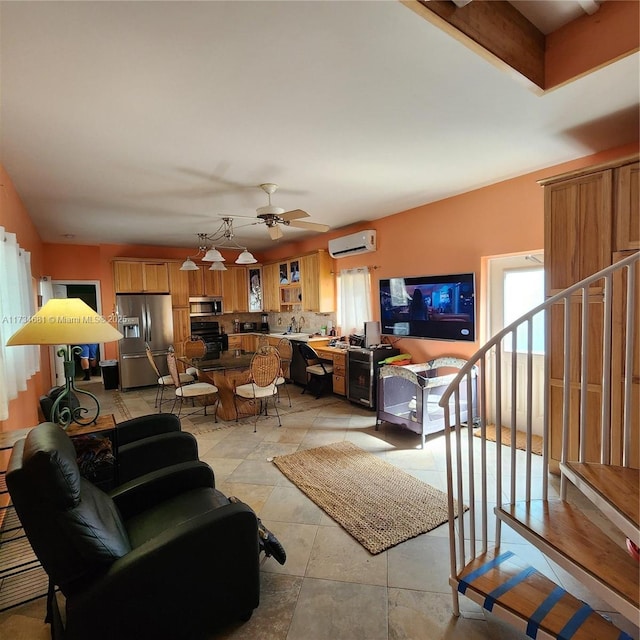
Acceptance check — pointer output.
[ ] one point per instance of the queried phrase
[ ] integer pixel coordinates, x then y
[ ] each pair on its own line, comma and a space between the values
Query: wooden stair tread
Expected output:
618, 485
525, 597
569, 532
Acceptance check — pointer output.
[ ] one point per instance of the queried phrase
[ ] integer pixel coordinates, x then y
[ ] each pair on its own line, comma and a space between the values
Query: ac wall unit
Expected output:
360, 242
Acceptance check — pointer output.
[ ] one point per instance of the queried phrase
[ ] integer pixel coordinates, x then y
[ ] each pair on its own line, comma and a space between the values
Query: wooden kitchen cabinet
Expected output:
270, 287
249, 342
235, 342
312, 290
181, 328
140, 277
591, 220
235, 290
178, 285
318, 282
205, 282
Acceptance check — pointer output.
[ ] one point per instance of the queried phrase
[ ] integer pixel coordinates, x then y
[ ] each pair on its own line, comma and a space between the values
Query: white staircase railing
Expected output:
522, 475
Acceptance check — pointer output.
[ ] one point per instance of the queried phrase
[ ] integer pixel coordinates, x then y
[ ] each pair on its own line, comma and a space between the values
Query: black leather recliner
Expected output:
164, 555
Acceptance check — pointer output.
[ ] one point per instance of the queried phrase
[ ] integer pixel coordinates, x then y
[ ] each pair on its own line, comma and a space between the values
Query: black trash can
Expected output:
110, 376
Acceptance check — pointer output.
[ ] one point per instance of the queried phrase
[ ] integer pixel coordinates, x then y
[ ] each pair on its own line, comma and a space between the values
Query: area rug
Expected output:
521, 438
377, 503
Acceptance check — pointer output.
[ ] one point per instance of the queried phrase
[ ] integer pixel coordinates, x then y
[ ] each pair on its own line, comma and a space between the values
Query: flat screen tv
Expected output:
431, 307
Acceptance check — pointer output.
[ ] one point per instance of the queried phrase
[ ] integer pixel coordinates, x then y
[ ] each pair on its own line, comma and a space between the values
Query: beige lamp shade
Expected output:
65, 321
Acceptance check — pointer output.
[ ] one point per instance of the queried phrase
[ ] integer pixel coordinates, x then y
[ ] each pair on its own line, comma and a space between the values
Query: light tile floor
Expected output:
330, 587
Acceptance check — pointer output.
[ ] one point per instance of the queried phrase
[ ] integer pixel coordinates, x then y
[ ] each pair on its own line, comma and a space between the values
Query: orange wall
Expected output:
23, 410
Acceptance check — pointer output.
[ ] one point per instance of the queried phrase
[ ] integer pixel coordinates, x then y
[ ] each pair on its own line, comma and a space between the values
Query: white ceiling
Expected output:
144, 122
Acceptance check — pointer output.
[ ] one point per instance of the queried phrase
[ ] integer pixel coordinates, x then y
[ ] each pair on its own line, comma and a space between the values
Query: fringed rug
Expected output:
521, 438
377, 503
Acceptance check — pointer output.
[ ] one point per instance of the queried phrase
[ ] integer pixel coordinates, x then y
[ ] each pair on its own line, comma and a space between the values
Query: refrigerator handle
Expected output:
148, 323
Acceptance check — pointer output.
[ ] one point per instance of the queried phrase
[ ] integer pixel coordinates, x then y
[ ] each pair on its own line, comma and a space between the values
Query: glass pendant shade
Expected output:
189, 265
213, 255
217, 266
246, 258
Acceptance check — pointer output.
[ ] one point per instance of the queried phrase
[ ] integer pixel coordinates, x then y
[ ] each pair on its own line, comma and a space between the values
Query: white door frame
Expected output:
497, 266
56, 364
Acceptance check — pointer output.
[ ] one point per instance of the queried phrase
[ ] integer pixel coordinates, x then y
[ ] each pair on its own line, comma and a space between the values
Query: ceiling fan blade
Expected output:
312, 226
295, 214
233, 215
275, 232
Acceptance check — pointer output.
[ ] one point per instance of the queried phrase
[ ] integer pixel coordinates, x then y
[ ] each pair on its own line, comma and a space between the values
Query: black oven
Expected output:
209, 333
363, 374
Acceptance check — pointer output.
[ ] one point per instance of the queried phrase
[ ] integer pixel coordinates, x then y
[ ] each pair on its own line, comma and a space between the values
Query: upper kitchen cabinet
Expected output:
140, 276
270, 287
627, 233
178, 285
235, 290
317, 282
304, 283
205, 282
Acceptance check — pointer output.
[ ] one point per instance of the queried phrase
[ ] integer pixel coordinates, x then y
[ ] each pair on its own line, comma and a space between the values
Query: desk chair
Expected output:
190, 391
264, 370
165, 381
319, 373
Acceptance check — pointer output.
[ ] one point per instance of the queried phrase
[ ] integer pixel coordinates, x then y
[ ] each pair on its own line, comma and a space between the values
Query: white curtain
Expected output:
354, 299
17, 364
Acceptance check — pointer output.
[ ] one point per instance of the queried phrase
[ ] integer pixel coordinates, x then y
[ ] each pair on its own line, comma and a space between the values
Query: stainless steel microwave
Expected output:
205, 306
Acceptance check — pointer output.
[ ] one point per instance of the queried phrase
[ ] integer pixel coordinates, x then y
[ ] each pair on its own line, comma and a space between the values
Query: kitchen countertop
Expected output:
300, 337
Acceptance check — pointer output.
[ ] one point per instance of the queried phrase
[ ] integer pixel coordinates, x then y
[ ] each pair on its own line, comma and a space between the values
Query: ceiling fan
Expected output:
276, 217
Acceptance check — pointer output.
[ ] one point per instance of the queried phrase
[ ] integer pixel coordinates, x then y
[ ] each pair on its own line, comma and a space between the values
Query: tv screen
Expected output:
432, 307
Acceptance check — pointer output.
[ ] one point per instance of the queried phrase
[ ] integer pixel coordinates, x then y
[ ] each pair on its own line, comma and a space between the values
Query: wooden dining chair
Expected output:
164, 381
285, 351
263, 373
194, 348
193, 391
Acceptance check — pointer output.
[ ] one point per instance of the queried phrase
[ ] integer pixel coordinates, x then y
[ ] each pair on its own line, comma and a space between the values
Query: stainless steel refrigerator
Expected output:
143, 318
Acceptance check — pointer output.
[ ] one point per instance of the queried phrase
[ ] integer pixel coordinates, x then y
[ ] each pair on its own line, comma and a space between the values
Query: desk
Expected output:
226, 372
339, 358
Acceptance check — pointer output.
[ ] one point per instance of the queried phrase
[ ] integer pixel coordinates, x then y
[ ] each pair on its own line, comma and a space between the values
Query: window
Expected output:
17, 305
524, 290
354, 299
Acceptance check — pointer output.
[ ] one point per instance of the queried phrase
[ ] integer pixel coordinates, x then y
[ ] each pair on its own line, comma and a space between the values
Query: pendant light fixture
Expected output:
222, 238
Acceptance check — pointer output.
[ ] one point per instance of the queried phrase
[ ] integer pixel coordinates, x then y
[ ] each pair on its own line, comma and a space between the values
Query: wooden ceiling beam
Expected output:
493, 29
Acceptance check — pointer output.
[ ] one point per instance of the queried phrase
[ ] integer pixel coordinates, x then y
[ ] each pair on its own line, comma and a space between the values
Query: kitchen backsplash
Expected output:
306, 322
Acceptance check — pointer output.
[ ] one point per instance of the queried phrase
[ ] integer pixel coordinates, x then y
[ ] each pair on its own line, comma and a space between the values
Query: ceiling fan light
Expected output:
270, 210
213, 255
189, 265
246, 258
217, 266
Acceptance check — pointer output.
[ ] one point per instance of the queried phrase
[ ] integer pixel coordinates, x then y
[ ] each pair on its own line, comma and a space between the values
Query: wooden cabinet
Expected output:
318, 282
235, 290
577, 228
235, 342
181, 328
205, 282
340, 373
627, 222
178, 285
590, 217
249, 342
270, 287
140, 277
305, 283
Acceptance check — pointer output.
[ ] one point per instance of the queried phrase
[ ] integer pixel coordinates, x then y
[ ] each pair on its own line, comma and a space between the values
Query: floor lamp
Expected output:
67, 321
